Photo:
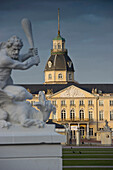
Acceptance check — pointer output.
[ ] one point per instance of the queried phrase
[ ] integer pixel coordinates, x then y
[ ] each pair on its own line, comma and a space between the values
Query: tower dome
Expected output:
59, 62
59, 67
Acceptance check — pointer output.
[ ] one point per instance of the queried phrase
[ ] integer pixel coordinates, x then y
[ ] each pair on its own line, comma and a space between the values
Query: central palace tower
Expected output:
59, 68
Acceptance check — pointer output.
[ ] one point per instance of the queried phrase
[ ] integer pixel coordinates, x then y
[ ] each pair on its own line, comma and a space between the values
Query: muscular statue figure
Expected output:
14, 109
10, 59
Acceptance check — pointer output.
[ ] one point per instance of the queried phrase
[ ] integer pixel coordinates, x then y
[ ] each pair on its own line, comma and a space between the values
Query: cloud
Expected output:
92, 18
86, 25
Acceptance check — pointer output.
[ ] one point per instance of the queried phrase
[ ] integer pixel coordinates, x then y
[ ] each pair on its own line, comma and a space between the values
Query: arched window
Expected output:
72, 114
63, 114
55, 47
90, 114
60, 76
81, 113
59, 46
50, 76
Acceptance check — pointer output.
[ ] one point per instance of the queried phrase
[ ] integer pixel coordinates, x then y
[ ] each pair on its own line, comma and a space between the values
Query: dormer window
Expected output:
60, 76
69, 64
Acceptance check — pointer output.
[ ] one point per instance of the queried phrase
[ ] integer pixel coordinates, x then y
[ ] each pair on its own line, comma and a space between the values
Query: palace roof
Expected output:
35, 88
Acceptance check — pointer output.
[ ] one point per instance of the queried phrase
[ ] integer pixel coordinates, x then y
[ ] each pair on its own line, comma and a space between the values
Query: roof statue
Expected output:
14, 109
106, 127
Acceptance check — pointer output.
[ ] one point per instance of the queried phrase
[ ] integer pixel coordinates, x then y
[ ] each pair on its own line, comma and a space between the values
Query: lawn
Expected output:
79, 157
88, 162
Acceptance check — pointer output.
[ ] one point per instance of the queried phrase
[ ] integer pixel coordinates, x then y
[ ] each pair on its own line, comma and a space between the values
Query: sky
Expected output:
86, 25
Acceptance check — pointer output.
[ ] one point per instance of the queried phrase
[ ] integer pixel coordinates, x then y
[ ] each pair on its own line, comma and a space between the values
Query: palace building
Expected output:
86, 106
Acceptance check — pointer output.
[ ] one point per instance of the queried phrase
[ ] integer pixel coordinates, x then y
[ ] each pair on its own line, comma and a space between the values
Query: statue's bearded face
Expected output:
13, 52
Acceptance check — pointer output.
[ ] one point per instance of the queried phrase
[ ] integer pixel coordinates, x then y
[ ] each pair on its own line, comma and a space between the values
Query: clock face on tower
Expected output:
49, 64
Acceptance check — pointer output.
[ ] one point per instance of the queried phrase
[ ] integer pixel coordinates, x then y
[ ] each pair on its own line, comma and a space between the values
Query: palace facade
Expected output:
86, 106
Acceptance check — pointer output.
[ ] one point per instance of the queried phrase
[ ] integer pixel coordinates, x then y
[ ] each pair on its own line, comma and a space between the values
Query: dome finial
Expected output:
58, 23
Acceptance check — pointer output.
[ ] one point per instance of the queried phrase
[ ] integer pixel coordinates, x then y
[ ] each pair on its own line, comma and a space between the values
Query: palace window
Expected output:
72, 102
111, 102
81, 102
101, 115
55, 46
63, 103
101, 102
49, 76
72, 114
90, 102
59, 46
90, 131
60, 76
70, 76
81, 113
63, 114
90, 115
54, 102
111, 115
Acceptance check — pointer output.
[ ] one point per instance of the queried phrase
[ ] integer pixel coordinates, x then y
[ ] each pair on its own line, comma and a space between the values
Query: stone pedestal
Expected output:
106, 138
106, 135
30, 148
98, 136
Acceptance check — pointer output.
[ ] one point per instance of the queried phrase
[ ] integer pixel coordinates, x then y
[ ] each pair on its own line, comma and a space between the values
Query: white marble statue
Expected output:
10, 59
14, 109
